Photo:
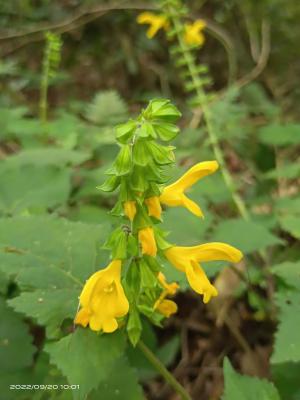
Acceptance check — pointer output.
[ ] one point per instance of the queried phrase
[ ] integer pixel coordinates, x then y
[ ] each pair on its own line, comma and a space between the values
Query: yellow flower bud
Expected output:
154, 207
102, 300
147, 241
174, 194
130, 209
193, 33
167, 307
187, 259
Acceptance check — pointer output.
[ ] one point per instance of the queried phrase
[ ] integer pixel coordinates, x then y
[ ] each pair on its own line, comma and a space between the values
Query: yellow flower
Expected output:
154, 207
163, 305
155, 21
147, 240
167, 307
103, 300
193, 33
173, 195
170, 288
187, 259
130, 209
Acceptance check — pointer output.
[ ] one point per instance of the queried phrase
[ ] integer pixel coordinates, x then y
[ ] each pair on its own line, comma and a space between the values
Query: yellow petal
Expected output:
173, 195
82, 317
195, 173
110, 325
147, 241
154, 207
130, 209
167, 307
215, 251
199, 282
192, 206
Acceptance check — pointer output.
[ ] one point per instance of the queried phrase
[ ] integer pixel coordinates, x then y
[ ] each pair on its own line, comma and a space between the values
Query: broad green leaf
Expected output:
28, 187
291, 224
47, 156
122, 383
288, 171
280, 134
16, 349
288, 205
287, 343
286, 378
86, 358
247, 236
242, 387
52, 258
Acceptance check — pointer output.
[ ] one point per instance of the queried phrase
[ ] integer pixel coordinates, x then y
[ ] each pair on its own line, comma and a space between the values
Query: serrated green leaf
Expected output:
52, 258
86, 358
123, 163
16, 349
125, 131
247, 236
242, 387
121, 384
49, 307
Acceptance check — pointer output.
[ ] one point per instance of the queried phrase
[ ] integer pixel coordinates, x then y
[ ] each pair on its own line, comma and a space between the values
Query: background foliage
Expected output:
54, 220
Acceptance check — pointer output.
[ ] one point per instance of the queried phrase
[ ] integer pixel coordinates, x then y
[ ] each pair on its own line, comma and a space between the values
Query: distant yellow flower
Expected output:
156, 22
186, 259
103, 300
154, 207
173, 195
193, 33
165, 306
130, 209
147, 241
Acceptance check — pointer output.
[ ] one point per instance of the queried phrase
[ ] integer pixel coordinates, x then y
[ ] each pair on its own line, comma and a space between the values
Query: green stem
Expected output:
158, 365
201, 96
43, 105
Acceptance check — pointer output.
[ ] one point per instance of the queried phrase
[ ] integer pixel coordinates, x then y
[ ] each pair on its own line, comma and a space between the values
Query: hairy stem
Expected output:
158, 365
201, 97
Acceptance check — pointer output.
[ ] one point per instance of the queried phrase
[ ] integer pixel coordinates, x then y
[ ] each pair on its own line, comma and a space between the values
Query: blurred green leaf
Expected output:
291, 224
247, 236
280, 134
242, 387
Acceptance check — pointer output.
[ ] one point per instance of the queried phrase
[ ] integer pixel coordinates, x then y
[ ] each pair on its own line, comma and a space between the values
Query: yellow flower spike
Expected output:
193, 33
102, 300
156, 22
154, 207
173, 195
130, 209
167, 307
187, 260
147, 241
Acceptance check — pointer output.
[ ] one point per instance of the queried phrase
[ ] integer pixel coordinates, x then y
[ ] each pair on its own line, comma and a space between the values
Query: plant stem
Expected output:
201, 96
158, 365
43, 105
